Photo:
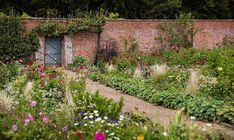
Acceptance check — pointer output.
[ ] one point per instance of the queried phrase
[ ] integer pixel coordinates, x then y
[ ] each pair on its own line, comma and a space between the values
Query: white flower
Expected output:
192, 118
95, 111
91, 122
107, 131
96, 115
76, 124
85, 118
102, 121
98, 119
165, 133
85, 124
105, 117
112, 134
91, 116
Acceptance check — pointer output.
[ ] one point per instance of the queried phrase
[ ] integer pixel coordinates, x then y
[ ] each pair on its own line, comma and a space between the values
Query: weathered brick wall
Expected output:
210, 33
85, 44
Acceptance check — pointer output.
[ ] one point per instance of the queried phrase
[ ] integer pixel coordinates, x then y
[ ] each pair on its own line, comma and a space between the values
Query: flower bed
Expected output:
198, 106
51, 103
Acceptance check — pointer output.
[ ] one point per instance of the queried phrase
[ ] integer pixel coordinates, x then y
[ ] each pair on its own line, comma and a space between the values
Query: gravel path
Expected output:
153, 112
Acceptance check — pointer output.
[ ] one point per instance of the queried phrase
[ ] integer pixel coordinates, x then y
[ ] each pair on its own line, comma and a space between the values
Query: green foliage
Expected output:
180, 32
79, 61
200, 107
124, 65
8, 73
113, 15
49, 29
185, 57
14, 43
173, 80
53, 28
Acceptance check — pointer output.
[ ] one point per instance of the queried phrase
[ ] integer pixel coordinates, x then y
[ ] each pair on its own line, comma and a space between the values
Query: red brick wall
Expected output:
210, 33
85, 44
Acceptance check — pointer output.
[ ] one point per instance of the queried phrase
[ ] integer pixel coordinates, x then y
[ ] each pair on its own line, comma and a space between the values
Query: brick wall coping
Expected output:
137, 20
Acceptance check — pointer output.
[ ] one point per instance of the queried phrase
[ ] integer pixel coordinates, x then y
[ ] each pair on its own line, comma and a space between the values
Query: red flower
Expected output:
30, 63
43, 75
51, 76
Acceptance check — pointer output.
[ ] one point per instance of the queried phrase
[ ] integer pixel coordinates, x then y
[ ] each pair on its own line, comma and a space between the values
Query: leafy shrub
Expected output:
174, 80
124, 65
185, 57
14, 44
180, 32
79, 61
8, 73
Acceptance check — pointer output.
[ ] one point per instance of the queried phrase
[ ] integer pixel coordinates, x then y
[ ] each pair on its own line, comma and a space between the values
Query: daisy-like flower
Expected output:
98, 119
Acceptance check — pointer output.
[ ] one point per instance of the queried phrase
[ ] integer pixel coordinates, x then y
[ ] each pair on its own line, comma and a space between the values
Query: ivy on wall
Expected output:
54, 28
14, 43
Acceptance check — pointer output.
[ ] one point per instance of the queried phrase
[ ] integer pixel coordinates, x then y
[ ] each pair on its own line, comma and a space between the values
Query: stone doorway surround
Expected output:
67, 51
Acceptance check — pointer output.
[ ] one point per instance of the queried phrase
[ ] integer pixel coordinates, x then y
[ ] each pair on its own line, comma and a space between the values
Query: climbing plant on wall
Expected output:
14, 42
55, 28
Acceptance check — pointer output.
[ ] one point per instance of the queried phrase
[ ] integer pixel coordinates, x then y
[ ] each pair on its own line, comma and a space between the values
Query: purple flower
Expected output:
99, 136
45, 119
33, 103
14, 127
26, 121
30, 117
65, 128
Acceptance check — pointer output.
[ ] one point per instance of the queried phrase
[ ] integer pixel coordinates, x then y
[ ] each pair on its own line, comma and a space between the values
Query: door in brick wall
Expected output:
53, 51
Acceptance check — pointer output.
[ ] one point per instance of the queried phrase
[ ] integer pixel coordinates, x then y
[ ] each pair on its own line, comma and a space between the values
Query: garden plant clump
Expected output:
51, 103
200, 81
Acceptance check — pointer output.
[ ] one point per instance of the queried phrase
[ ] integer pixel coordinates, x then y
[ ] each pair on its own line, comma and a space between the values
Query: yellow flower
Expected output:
140, 137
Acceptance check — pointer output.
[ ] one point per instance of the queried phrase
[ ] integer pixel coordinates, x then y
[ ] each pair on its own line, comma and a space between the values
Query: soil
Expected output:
153, 112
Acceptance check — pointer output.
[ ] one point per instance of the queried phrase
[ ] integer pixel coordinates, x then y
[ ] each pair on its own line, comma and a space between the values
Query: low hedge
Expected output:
197, 106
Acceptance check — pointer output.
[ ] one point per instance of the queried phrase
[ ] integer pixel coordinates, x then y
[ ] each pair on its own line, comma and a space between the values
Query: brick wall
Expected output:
85, 44
210, 33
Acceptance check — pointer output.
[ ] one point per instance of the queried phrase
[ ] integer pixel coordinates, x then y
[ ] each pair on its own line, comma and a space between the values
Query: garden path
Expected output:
153, 112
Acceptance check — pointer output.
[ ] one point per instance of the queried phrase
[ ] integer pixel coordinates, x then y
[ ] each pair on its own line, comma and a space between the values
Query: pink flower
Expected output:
26, 121
45, 119
20, 60
30, 117
99, 136
14, 127
65, 128
43, 75
33, 103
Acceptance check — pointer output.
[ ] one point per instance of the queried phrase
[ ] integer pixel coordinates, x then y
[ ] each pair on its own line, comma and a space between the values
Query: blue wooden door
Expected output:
53, 51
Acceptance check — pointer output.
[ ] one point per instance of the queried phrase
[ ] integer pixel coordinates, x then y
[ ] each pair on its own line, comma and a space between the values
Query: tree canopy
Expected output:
131, 9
